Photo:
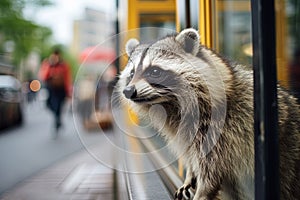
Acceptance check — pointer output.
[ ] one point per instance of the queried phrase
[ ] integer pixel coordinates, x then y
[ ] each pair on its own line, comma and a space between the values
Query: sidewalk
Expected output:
78, 177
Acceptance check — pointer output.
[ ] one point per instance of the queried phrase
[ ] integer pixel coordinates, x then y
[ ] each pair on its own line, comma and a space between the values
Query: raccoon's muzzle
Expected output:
130, 92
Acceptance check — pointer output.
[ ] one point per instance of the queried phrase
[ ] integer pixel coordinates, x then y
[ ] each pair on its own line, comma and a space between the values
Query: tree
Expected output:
24, 34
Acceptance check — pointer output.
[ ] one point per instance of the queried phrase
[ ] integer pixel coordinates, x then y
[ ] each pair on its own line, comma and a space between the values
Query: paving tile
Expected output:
78, 177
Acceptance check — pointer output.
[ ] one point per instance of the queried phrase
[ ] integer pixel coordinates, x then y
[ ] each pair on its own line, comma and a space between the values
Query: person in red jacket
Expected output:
55, 73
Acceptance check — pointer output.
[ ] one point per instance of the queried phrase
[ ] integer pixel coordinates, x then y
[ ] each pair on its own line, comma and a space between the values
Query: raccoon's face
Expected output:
152, 73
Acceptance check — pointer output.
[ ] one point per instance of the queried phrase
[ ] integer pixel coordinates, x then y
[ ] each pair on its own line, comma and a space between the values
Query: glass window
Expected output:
160, 20
232, 29
288, 44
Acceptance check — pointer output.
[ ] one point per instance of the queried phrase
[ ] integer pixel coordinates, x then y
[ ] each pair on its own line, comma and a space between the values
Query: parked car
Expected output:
10, 101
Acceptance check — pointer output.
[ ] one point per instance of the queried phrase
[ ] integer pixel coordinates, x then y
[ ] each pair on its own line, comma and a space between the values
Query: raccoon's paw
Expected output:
184, 192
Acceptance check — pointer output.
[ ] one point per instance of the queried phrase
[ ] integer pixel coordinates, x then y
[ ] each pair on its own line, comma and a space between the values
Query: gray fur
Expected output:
209, 123
130, 45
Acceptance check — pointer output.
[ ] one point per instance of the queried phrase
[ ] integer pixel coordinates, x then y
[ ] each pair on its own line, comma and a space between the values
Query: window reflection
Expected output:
232, 30
294, 73
165, 21
291, 15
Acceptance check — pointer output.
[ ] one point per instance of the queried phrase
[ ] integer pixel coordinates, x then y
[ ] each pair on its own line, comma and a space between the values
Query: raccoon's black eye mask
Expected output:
153, 72
159, 77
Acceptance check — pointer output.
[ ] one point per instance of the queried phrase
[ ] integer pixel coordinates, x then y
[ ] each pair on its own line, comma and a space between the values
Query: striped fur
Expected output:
209, 123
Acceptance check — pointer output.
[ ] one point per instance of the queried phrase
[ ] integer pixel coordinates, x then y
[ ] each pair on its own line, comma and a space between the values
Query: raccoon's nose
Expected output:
130, 92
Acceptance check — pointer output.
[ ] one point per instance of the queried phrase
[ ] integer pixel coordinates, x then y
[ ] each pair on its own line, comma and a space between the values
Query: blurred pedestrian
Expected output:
55, 73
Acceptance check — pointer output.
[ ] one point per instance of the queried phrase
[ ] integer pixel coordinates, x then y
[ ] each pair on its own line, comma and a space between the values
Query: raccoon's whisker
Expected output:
144, 89
116, 99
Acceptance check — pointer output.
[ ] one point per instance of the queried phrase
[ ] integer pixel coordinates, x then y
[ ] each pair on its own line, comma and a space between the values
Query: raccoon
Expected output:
208, 103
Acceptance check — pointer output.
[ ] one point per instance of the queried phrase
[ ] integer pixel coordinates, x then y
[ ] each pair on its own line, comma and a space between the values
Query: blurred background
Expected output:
29, 31
80, 162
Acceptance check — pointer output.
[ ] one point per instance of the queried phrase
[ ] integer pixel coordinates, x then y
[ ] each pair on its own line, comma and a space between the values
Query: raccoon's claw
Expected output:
183, 193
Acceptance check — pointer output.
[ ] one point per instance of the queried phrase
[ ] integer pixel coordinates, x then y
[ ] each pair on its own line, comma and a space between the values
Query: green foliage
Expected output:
25, 34
74, 65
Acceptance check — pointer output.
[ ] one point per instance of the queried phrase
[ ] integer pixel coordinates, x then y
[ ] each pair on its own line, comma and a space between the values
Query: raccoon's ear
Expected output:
130, 45
189, 40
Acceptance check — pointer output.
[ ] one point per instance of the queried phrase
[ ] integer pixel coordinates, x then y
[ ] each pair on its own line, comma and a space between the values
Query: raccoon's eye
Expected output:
155, 72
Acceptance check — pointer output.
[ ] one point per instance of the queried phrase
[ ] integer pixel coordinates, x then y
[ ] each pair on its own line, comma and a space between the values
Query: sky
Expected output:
60, 16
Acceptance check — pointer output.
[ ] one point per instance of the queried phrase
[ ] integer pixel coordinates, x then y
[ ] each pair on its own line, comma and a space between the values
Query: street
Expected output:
27, 149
